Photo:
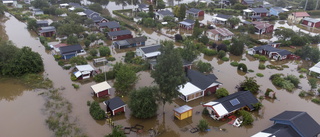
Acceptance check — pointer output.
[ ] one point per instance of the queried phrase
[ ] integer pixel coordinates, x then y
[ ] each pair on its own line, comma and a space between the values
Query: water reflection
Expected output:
11, 89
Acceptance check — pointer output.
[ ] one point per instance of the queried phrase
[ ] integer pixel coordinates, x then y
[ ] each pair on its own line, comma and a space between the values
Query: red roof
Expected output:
60, 45
261, 25
301, 14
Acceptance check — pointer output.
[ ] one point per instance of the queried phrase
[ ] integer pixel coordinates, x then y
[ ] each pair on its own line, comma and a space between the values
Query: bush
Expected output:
203, 125
93, 52
256, 56
235, 64
303, 70
259, 74
204, 66
104, 51
88, 103
247, 117
225, 59
60, 63
313, 82
57, 57
250, 70
96, 112
293, 79
209, 52
118, 13
301, 76
111, 59
316, 100
73, 77
242, 67
221, 54
89, 57
101, 77
302, 94
257, 106
75, 86
205, 112
262, 66
263, 58
221, 92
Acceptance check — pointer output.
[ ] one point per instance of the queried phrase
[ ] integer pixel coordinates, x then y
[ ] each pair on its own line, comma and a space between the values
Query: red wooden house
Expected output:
262, 27
111, 26
310, 22
101, 89
194, 13
47, 31
115, 105
119, 35
187, 24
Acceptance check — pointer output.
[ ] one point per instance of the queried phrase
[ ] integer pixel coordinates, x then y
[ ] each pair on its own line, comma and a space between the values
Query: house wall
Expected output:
103, 93
317, 25
201, 13
212, 90
186, 114
48, 34
121, 109
186, 27
194, 96
68, 56
122, 37
263, 14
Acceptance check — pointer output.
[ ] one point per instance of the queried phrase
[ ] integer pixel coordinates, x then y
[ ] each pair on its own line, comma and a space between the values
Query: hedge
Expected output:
118, 12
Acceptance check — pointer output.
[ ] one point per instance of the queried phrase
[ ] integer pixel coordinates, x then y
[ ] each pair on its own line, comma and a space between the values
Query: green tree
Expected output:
204, 39
129, 57
143, 102
313, 82
168, 19
189, 51
32, 24
116, 132
96, 112
182, 12
284, 34
221, 54
72, 40
161, 4
203, 125
221, 92
125, 79
204, 66
250, 84
233, 21
196, 32
168, 73
247, 117
293, 79
242, 67
96, 7
175, 10
104, 51
148, 22
2, 9
237, 47
171, 25
40, 3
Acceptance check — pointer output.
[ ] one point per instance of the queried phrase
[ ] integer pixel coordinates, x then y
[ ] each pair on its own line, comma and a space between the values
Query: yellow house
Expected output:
183, 112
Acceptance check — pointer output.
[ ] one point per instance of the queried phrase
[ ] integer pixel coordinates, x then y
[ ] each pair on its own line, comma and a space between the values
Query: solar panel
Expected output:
234, 102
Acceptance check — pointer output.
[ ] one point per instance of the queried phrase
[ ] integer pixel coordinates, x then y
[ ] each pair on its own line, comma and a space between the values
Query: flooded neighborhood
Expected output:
28, 109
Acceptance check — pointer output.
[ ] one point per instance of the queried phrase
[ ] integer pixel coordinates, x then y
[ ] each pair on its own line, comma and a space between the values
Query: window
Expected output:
234, 102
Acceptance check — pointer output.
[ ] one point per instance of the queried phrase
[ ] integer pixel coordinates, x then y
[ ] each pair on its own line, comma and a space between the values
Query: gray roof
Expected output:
42, 22
246, 22
224, 16
47, 29
182, 109
149, 49
189, 21
114, 103
201, 80
260, 10
71, 48
302, 122
193, 10
272, 49
165, 13
141, 6
119, 33
256, 17
97, 18
74, 4
111, 24
279, 9
122, 43
245, 98
281, 130
136, 40
311, 20
249, 1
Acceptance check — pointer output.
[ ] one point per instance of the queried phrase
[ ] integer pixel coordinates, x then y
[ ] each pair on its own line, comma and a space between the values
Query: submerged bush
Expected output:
247, 117
259, 74
262, 66
203, 125
234, 64
96, 112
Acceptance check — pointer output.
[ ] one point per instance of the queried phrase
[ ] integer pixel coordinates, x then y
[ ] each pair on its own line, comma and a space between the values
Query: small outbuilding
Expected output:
183, 112
84, 71
101, 89
115, 105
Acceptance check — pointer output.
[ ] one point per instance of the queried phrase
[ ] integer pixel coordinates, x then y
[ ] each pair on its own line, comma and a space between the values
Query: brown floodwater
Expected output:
166, 124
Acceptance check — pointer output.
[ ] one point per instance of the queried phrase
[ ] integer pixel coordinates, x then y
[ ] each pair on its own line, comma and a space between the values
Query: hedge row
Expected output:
118, 13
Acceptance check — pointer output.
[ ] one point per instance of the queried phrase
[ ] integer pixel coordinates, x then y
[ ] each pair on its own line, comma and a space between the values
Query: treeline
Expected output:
17, 62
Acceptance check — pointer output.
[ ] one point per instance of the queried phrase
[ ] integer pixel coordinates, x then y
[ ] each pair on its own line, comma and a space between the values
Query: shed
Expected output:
315, 68
101, 89
183, 112
84, 71
115, 105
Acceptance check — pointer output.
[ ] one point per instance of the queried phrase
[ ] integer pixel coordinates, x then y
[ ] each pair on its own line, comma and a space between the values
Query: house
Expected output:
37, 12
315, 68
110, 26
297, 16
221, 19
143, 8
47, 31
133, 42
68, 52
56, 47
72, 6
115, 105
98, 19
10, 2
262, 27
274, 11
183, 112
101, 89
271, 52
195, 13
119, 35
63, 5
198, 85
90, 13
225, 106
163, 13
255, 13
148, 52
219, 34
311, 22
42, 23
187, 24
84, 71
291, 124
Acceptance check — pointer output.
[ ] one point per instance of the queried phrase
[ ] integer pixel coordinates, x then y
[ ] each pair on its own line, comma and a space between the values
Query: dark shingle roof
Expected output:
141, 6
224, 16
260, 10
42, 22
189, 21
193, 10
302, 122
114, 103
97, 18
245, 98
136, 40
47, 29
111, 24
165, 13
281, 130
71, 48
119, 33
201, 80
149, 49
272, 49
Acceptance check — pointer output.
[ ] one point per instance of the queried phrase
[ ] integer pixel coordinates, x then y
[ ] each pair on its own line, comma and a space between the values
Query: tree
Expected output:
222, 47
129, 56
32, 24
40, 4
221, 54
2, 9
121, 2
284, 34
189, 52
250, 84
196, 32
178, 37
309, 52
247, 117
203, 125
182, 12
72, 40
221, 92
298, 40
125, 79
204, 39
171, 25
237, 47
233, 21
143, 103
242, 67
78, 60
116, 132
96, 112
148, 22
104, 51
168, 19
204, 66
161, 4
168, 73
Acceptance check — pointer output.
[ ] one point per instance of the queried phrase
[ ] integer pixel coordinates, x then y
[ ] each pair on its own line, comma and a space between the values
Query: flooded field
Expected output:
25, 106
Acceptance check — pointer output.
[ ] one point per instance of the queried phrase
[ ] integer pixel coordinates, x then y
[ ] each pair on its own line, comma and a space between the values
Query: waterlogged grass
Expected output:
32, 81
58, 109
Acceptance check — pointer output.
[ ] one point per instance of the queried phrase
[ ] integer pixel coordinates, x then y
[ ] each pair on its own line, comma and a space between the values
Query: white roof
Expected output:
219, 108
262, 134
315, 68
77, 74
188, 89
72, 8
64, 4
100, 87
6, 2
182, 109
210, 103
218, 18
84, 67
152, 54
81, 13
247, 10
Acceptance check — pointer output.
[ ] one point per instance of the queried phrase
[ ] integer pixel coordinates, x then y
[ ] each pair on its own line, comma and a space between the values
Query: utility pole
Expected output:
305, 5
317, 5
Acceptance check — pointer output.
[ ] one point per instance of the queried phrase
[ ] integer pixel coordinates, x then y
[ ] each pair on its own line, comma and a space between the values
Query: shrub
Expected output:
101, 77
262, 66
250, 70
89, 57
225, 59
204, 66
221, 54
104, 51
316, 100
73, 77
75, 86
302, 94
203, 125
256, 55
93, 52
234, 64
284, 66
303, 70
221, 92
257, 106
247, 117
313, 82
259, 75
263, 58
209, 52
205, 112
60, 63
301, 76
57, 57
111, 59
293, 79
96, 112
242, 67
88, 103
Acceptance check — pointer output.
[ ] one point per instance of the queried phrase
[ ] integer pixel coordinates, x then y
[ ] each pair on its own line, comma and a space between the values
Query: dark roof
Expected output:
165, 13
245, 98
47, 29
71, 48
272, 49
246, 22
136, 40
193, 10
201, 80
149, 49
89, 13
42, 22
260, 10
249, 1
74, 4
122, 43
97, 18
302, 122
111, 24
224, 16
119, 33
256, 17
141, 6
186, 63
114, 103
281, 130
